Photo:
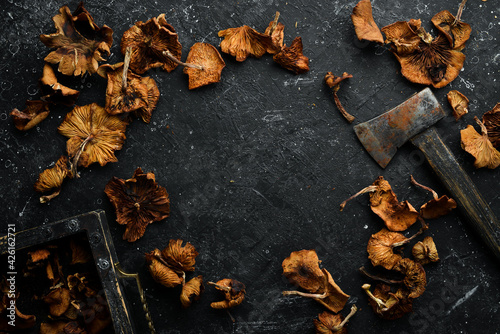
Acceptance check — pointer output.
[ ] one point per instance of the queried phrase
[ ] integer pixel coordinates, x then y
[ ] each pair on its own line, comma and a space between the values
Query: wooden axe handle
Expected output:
460, 186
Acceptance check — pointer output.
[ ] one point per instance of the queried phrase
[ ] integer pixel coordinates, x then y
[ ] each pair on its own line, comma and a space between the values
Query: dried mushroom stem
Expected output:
407, 240
47, 198
231, 316
275, 23
225, 288
484, 131
459, 12
126, 64
305, 294
350, 118
368, 189
379, 302
170, 56
434, 194
337, 328
74, 164
378, 278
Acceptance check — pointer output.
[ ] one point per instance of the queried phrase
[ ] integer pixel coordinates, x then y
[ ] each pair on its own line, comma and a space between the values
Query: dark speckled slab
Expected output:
257, 165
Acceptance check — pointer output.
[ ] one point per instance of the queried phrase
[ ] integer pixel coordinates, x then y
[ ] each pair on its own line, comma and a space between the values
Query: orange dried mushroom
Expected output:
35, 112
364, 24
80, 44
386, 304
425, 251
301, 268
333, 82
58, 300
53, 91
292, 57
415, 279
275, 30
329, 323
51, 179
244, 41
491, 120
178, 257
479, 146
233, 290
150, 42
192, 291
161, 272
436, 207
459, 102
402, 37
138, 202
211, 62
456, 31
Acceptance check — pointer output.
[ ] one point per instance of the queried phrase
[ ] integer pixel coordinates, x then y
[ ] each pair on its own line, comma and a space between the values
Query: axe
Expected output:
413, 120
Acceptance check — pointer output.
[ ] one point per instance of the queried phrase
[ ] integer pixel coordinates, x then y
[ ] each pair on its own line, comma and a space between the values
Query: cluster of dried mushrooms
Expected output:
393, 298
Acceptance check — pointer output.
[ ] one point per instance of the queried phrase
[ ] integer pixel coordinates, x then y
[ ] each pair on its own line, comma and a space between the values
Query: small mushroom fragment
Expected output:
275, 30
93, 134
35, 112
209, 59
333, 82
329, 323
415, 279
459, 102
138, 202
58, 300
425, 251
51, 179
491, 120
233, 290
80, 44
479, 146
456, 31
244, 41
192, 291
53, 91
436, 207
386, 304
161, 272
178, 257
150, 43
397, 216
292, 57
364, 24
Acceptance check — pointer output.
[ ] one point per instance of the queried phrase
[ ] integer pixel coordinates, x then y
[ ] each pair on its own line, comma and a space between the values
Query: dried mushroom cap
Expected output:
138, 202
80, 43
209, 58
335, 298
302, 268
455, 31
35, 112
192, 291
425, 251
491, 120
51, 179
479, 146
330, 323
436, 207
160, 272
244, 41
180, 257
364, 24
93, 134
415, 279
402, 36
459, 102
292, 57
39, 255
234, 292
53, 91
276, 31
381, 248
149, 41
58, 300
389, 305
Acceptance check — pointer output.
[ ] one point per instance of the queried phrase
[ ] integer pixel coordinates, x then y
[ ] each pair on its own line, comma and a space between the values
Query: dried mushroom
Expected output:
138, 202
233, 290
80, 44
178, 257
192, 291
479, 146
128, 92
35, 112
333, 82
364, 24
459, 102
436, 207
415, 279
386, 304
53, 91
58, 300
79, 254
329, 323
292, 57
491, 120
244, 41
425, 251
209, 59
276, 31
51, 179
150, 43
161, 272
456, 31
397, 216
93, 134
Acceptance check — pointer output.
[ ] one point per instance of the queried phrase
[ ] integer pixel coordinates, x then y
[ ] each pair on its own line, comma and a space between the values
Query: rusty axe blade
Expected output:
412, 120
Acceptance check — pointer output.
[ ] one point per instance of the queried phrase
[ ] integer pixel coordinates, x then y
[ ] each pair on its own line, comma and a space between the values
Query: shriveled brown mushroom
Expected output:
436, 207
244, 41
329, 323
138, 202
386, 304
35, 112
58, 301
192, 291
491, 120
53, 91
479, 146
276, 31
180, 257
459, 102
364, 24
415, 278
51, 179
233, 290
161, 272
333, 82
292, 57
209, 59
425, 251
80, 44
456, 31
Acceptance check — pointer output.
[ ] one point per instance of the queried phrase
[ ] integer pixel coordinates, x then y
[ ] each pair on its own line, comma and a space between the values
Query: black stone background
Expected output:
257, 165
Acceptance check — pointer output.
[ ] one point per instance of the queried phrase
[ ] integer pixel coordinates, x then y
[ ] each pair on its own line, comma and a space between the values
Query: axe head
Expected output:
382, 135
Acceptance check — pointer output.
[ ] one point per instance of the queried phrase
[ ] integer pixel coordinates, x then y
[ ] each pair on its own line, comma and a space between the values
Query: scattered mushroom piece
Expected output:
386, 304
161, 272
35, 112
402, 37
329, 323
58, 300
456, 31
436, 207
479, 146
459, 102
80, 44
192, 291
491, 120
206, 56
333, 82
51, 179
181, 258
415, 279
292, 57
244, 41
335, 299
149, 41
364, 24
233, 290
302, 268
53, 91
138, 202
425, 251
276, 31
